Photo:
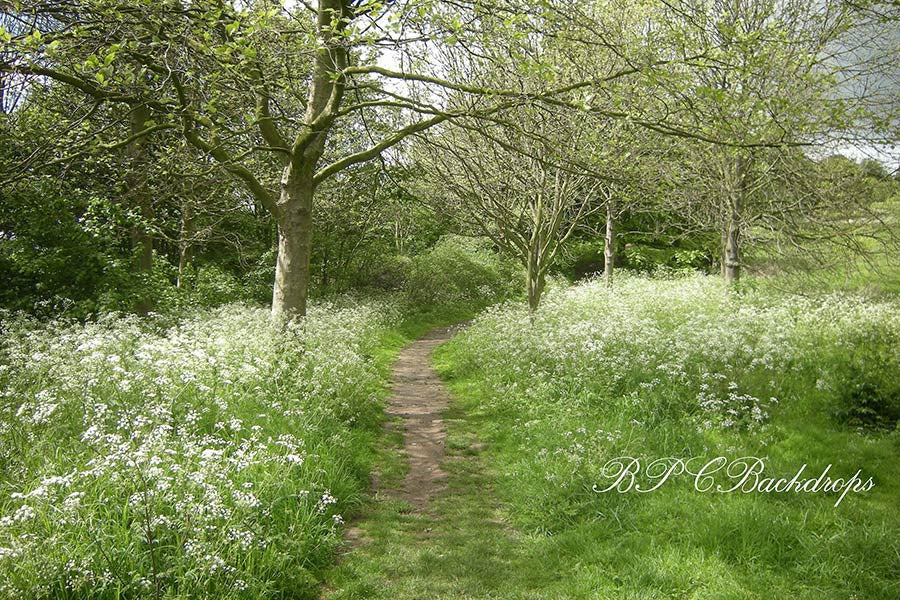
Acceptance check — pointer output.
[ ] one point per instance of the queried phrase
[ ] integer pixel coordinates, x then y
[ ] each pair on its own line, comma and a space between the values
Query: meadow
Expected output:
209, 456
221, 453
687, 368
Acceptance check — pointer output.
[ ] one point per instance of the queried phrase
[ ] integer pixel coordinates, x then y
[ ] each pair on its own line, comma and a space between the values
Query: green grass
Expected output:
536, 413
678, 543
461, 548
650, 369
197, 458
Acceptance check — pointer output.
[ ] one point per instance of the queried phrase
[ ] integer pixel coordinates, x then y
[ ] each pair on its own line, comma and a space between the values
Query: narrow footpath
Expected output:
433, 528
416, 406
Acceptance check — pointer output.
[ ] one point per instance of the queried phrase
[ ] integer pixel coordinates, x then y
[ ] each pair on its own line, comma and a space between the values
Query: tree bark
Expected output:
536, 281
294, 209
291, 290
723, 246
609, 243
732, 232
141, 239
185, 243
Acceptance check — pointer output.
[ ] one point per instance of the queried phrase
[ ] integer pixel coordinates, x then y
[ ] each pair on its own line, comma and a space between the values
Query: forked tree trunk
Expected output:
294, 209
536, 281
609, 243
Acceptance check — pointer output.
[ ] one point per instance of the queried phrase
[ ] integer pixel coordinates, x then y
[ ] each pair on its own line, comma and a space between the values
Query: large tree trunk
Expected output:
733, 252
294, 209
609, 243
732, 231
294, 217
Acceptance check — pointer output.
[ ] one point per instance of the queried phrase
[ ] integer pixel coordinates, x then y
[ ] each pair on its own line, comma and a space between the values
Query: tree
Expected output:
513, 186
768, 79
184, 63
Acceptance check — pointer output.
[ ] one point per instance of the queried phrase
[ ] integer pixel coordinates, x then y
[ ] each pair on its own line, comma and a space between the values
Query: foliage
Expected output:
212, 458
647, 258
677, 368
368, 226
460, 271
864, 376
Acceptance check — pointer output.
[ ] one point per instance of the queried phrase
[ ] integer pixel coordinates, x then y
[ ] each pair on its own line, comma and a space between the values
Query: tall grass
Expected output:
212, 458
685, 368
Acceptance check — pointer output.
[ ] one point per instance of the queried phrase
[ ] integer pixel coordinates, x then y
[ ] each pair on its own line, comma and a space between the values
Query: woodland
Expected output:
659, 228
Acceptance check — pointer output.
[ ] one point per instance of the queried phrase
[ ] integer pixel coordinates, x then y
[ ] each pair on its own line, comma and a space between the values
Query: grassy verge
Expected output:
681, 369
215, 455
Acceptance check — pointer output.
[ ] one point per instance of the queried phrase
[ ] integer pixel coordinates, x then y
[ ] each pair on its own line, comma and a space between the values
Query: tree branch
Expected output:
377, 149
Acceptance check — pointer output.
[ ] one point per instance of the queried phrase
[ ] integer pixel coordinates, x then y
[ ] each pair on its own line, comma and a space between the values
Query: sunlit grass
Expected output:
211, 458
603, 374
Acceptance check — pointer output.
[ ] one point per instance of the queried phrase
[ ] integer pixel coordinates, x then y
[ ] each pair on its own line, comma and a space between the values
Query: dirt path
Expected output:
439, 531
418, 397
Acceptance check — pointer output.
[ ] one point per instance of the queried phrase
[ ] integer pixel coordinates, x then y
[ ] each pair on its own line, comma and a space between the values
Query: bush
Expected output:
866, 385
641, 257
581, 259
461, 271
388, 273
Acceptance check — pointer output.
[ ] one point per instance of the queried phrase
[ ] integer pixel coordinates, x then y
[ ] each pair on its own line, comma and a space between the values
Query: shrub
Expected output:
461, 271
865, 382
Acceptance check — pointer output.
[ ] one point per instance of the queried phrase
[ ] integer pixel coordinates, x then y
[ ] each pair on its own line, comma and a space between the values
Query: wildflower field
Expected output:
687, 368
209, 458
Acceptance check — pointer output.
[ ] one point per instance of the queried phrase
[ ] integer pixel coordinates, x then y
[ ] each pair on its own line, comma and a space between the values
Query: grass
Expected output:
651, 369
461, 549
216, 455
538, 411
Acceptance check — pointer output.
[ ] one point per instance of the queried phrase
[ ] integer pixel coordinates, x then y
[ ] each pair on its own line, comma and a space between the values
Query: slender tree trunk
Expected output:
733, 254
723, 246
185, 245
326, 280
534, 267
398, 237
291, 290
609, 243
536, 281
141, 239
732, 232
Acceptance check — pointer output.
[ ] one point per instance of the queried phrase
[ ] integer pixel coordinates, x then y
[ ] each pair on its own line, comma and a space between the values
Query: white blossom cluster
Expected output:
653, 343
207, 458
